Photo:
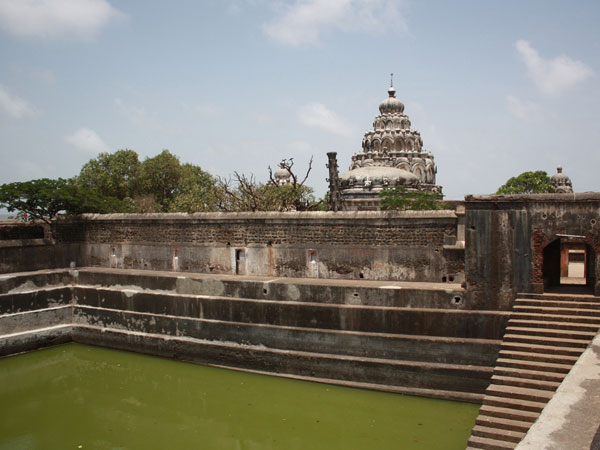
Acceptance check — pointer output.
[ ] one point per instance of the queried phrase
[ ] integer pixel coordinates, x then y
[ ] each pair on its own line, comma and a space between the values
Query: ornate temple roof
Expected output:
392, 155
561, 182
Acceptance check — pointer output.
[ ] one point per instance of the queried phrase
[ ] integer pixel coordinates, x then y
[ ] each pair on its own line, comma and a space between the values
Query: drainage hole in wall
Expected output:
229, 244
457, 300
444, 279
355, 294
451, 279
593, 221
361, 275
544, 216
265, 291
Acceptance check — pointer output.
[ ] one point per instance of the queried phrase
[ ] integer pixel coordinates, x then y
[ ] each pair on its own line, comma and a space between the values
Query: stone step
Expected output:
552, 307
503, 424
525, 382
513, 403
534, 365
352, 343
550, 313
541, 322
550, 332
529, 374
557, 303
415, 375
570, 354
514, 336
497, 433
481, 443
508, 413
555, 317
519, 393
560, 297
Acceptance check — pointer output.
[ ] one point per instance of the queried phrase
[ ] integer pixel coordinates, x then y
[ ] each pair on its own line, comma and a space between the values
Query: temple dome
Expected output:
392, 155
561, 182
379, 175
391, 104
282, 175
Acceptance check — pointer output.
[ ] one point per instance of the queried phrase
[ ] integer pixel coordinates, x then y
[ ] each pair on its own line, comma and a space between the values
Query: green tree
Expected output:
527, 183
196, 191
44, 198
160, 177
400, 198
112, 174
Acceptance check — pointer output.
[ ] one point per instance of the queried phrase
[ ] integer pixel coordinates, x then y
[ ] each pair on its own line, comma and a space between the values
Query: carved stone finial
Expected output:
392, 79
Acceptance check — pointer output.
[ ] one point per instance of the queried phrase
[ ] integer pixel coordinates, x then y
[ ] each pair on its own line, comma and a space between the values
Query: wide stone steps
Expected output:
479, 442
561, 304
513, 352
549, 311
550, 332
529, 374
546, 350
503, 424
525, 382
533, 365
559, 297
518, 415
517, 336
544, 337
498, 433
572, 324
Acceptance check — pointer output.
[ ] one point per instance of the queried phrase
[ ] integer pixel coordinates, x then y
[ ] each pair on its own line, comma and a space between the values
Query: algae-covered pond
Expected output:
81, 397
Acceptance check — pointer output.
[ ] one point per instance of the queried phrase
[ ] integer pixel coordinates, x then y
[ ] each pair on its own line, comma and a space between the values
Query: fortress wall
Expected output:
506, 237
408, 246
27, 246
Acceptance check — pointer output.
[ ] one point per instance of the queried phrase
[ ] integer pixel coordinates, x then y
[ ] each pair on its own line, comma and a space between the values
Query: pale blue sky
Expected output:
496, 88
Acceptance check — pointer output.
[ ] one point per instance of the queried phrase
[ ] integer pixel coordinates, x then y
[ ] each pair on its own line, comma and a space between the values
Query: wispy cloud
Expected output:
52, 19
552, 76
303, 22
317, 115
523, 109
14, 105
135, 114
88, 140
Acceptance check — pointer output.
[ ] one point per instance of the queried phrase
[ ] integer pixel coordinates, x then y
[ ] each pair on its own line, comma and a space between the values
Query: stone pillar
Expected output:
335, 196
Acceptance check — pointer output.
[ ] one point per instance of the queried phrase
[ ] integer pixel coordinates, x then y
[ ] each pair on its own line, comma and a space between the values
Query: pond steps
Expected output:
545, 336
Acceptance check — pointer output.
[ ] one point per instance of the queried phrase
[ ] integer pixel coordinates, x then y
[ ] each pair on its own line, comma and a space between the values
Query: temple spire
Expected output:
391, 90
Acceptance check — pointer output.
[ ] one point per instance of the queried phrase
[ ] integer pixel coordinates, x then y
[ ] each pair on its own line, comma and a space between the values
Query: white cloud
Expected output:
51, 19
88, 140
552, 76
317, 115
15, 105
303, 22
523, 109
136, 114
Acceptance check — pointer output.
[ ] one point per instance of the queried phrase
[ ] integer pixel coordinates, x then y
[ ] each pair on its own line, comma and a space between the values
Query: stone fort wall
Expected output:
411, 246
509, 243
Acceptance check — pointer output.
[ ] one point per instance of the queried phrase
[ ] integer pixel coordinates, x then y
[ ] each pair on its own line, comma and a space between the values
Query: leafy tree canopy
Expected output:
537, 182
112, 174
400, 198
44, 198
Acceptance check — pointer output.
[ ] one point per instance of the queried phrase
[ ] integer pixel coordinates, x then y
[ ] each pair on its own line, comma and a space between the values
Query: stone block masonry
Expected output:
380, 335
408, 246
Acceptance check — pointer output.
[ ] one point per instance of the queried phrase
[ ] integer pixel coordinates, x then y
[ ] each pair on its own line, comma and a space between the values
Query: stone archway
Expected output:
569, 265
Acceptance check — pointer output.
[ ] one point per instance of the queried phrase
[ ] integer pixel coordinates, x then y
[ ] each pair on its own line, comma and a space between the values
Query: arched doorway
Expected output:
569, 265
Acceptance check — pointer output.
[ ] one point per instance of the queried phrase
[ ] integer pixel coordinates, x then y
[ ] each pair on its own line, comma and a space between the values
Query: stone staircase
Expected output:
545, 336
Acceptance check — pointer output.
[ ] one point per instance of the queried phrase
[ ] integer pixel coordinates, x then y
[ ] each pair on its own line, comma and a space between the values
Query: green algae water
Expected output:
81, 397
